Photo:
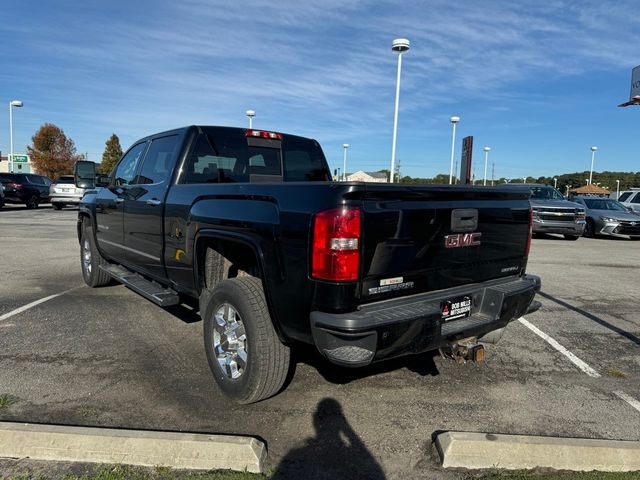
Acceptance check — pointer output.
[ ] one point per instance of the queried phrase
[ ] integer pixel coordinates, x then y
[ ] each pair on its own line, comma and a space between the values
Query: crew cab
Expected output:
248, 224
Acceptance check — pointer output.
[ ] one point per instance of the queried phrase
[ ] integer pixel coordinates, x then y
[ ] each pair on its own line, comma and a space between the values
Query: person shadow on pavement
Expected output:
336, 452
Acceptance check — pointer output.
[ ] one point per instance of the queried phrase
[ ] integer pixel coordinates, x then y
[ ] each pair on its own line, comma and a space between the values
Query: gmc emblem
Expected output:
457, 240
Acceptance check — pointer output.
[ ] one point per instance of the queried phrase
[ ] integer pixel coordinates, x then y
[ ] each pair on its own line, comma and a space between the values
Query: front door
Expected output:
144, 206
110, 205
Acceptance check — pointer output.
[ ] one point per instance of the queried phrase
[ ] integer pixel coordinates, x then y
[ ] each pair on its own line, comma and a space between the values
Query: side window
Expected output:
157, 161
624, 196
35, 180
205, 165
126, 169
636, 199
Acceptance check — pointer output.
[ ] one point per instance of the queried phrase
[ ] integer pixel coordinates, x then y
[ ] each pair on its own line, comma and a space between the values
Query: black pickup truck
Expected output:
248, 224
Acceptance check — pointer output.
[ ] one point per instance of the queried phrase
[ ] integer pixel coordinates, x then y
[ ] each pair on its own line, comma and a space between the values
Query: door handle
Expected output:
154, 202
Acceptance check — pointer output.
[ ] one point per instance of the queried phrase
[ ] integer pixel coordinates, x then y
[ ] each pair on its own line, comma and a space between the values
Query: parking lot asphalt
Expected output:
108, 357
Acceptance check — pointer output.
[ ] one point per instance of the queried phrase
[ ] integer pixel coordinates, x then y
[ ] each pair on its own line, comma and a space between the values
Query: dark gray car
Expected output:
606, 216
552, 213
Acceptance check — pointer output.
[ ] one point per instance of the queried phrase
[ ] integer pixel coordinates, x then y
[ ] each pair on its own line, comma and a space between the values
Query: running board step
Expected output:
164, 297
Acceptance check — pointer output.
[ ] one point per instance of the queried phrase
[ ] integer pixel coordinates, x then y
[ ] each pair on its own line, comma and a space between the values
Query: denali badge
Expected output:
457, 240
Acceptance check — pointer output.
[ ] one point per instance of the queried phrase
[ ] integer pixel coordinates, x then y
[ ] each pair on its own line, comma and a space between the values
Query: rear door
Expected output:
144, 206
110, 204
419, 239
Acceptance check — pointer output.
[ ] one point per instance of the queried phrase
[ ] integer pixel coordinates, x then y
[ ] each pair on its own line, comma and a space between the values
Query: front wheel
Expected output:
571, 237
589, 229
90, 260
57, 206
246, 357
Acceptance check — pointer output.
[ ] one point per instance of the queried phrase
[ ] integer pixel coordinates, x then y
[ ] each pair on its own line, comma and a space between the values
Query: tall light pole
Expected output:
17, 104
454, 120
251, 114
555, 183
525, 179
617, 189
593, 156
399, 45
345, 146
486, 159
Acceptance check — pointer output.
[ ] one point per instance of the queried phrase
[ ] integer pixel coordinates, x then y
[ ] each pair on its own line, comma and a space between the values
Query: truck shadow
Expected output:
591, 316
336, 451
423, 364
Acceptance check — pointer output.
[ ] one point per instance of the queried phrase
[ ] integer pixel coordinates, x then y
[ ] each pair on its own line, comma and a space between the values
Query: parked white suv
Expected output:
631, 198
64, 192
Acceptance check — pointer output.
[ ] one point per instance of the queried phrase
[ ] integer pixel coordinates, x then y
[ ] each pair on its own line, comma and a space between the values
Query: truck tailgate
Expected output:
419, 238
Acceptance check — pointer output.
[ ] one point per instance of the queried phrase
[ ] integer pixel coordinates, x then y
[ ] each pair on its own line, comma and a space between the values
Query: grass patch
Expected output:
527, 475
6, 401
162, 473
614, 372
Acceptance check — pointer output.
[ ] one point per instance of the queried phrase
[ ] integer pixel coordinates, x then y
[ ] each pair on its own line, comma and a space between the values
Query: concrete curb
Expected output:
522, 452
131, 447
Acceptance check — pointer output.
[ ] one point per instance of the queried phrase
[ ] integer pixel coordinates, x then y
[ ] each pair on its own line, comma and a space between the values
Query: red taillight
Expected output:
336, 244
528, 249
17, 186
263, 134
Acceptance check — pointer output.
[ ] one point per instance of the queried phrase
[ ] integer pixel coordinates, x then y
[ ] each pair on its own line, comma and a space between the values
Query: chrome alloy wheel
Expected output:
86, 256
230, 341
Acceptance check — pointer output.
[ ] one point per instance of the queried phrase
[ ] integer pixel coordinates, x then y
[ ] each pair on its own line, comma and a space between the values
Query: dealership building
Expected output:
21, 164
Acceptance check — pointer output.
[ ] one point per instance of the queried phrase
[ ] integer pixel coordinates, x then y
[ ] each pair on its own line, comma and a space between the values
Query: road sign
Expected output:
21, 158
465, 164
634, 96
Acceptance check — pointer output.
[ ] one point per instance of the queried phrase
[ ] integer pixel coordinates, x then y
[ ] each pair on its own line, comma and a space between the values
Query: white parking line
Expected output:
33, 304
582, 365
629, 399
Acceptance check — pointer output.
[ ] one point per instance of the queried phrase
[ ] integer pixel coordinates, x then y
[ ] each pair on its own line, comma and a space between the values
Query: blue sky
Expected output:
537, 81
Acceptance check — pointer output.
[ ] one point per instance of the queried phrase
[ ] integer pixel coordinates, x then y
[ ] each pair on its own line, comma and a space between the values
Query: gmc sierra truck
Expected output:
248, 224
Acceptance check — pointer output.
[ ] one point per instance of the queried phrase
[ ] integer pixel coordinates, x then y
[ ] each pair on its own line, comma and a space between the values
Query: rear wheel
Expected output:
90, 260
571, 237
589, 229
57, 206
32, 202
246, 357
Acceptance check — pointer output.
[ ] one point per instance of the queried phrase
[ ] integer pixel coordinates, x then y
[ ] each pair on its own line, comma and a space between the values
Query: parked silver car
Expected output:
606, 216
64, 192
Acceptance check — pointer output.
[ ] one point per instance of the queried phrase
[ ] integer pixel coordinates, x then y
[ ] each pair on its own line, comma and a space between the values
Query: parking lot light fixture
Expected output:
486, 159
345, 146
555, 183
251, 114
454, 120
17, 104
617, 189
400, 46
593, 157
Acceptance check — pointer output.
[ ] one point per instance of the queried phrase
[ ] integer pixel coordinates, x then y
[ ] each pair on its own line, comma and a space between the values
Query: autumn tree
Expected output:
52, 153
111, 155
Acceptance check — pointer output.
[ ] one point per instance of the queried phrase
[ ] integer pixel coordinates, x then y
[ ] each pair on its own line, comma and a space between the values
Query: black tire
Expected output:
94, 276
57, 206
571, 237
33, 202
267, 359
589, 229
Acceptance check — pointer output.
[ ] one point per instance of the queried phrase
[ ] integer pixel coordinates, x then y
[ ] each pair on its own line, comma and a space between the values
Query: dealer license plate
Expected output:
456, 308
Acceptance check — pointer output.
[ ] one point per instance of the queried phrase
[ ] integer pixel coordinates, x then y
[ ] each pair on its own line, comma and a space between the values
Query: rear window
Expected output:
65, 179
11, 178
226, 155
